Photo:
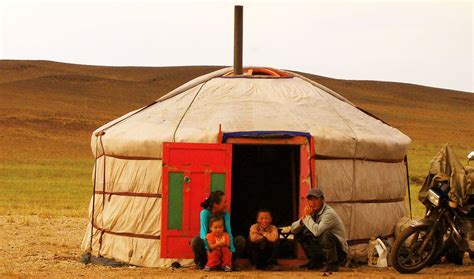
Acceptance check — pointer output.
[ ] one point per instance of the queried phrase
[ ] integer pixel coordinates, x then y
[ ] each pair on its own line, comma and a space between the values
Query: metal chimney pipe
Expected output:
238, 35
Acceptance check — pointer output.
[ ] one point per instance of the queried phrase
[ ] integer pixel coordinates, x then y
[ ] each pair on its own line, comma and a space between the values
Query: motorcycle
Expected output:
448, 225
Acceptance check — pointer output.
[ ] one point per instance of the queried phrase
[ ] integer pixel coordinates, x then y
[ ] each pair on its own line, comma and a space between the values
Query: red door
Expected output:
190, 172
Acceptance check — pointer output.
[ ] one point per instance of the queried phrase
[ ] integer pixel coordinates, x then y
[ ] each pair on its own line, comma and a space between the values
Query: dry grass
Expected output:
45, 188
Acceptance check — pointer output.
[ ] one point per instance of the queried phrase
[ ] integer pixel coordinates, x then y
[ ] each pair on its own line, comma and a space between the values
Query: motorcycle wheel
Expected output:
407, 255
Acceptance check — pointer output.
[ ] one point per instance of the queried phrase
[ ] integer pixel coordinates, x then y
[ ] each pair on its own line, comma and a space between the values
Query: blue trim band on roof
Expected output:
265, 134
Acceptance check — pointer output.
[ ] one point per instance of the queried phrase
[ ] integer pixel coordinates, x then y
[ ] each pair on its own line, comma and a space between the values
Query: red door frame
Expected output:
307, 174
307, 170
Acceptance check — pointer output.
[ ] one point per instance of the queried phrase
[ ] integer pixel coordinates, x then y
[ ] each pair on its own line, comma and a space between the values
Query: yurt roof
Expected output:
289, 102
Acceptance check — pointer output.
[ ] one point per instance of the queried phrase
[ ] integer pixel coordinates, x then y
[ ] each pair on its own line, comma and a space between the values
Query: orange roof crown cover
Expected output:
259, 72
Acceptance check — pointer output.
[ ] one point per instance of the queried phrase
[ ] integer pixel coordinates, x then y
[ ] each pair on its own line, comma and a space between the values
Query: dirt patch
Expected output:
50, 247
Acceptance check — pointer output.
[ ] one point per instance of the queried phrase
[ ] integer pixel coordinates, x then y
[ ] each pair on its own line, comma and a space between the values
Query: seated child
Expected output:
263, 242
219, 253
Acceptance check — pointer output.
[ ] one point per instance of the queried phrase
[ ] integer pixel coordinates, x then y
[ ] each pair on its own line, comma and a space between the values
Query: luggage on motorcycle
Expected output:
445, 167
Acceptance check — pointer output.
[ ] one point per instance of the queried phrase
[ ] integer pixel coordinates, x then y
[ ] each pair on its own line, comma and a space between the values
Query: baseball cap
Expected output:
315, 192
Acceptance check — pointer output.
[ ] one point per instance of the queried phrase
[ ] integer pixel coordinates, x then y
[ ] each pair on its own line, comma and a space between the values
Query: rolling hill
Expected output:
48, 110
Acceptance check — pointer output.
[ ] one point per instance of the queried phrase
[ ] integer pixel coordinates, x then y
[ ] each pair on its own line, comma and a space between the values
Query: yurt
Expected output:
265, 137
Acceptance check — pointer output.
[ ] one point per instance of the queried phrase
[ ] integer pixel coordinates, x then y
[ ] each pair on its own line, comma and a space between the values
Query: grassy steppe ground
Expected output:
45, 188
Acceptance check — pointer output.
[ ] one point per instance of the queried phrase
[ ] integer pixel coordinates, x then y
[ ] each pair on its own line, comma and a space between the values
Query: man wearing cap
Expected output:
321, 233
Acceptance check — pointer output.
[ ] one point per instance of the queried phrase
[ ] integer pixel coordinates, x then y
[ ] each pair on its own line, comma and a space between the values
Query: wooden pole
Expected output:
238, 35
294, 184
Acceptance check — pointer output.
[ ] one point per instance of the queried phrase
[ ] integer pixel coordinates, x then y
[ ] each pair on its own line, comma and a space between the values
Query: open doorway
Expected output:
264, 176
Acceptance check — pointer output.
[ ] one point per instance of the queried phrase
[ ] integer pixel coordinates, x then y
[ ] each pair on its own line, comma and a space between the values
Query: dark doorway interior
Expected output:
264, 176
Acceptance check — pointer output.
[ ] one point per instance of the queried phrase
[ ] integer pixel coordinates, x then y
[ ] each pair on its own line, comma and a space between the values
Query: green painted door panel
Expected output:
217, 182
175, 200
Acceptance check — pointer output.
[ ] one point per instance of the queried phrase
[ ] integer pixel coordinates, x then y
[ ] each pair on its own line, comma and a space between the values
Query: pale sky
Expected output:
423, 42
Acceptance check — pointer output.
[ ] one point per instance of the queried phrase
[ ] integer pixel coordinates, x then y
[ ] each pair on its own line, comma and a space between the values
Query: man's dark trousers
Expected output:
324, 249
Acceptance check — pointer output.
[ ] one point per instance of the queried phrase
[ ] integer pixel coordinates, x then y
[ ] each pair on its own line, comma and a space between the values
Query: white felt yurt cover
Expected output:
363, 174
